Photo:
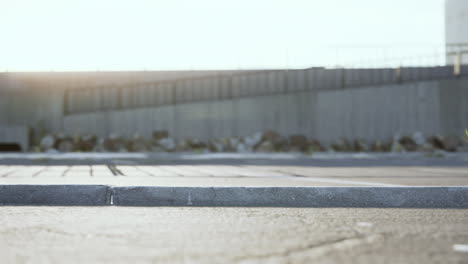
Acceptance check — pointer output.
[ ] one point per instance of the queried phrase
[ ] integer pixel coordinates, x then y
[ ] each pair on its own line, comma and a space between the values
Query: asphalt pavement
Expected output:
232, 235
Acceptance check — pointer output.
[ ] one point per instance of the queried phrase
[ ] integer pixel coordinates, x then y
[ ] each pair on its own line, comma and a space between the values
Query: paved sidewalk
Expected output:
234, 175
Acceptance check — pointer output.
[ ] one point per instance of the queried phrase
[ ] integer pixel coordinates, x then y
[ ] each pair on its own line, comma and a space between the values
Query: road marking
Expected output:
364, 224
25, 171
101, 171
155, 171
183, 170
366, 183
294, 175
132, 171
53, 172
460, 248
214, 171
7, 170
78, 171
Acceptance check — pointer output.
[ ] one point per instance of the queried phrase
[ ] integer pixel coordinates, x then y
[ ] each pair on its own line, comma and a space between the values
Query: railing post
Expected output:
457, 64
397, 74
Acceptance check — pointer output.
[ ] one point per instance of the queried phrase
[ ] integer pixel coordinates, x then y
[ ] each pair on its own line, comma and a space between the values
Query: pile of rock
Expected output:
268, 141
62, 143
417, 142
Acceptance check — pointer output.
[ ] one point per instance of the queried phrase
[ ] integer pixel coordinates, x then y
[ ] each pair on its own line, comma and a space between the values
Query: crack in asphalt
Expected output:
316, 250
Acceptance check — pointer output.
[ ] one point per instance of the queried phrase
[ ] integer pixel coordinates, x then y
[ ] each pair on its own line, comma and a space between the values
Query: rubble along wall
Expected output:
371, 113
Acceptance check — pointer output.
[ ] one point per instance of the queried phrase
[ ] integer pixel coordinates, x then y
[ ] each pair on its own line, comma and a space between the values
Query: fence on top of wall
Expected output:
238, 85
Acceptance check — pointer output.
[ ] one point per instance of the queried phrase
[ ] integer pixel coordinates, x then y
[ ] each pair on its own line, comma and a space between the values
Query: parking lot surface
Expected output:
232, 235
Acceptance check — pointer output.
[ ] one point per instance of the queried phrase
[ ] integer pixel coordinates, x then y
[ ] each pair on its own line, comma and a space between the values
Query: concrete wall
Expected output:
286, 114
453, 101
313, 102
41, 110
378, 112
437, 107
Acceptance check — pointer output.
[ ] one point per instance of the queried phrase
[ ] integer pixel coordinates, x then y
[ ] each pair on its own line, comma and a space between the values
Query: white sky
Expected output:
211, 34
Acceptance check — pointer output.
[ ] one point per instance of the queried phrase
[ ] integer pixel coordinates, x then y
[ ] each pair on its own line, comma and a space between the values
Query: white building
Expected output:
456, 29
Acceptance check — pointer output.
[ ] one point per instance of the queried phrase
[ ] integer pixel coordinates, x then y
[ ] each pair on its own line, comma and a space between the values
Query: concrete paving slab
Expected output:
374, 171
7, 170
101, 171
186, 171
131, 171
157, 171
53, 171
409, 181
24, 171
177, 181
248, 171
78, 171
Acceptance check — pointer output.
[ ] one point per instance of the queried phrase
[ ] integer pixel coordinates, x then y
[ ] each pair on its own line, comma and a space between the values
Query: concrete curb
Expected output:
372, 197
362, 197
69, 195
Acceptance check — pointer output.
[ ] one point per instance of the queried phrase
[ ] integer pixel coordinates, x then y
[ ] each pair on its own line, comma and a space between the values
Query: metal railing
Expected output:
259, 83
